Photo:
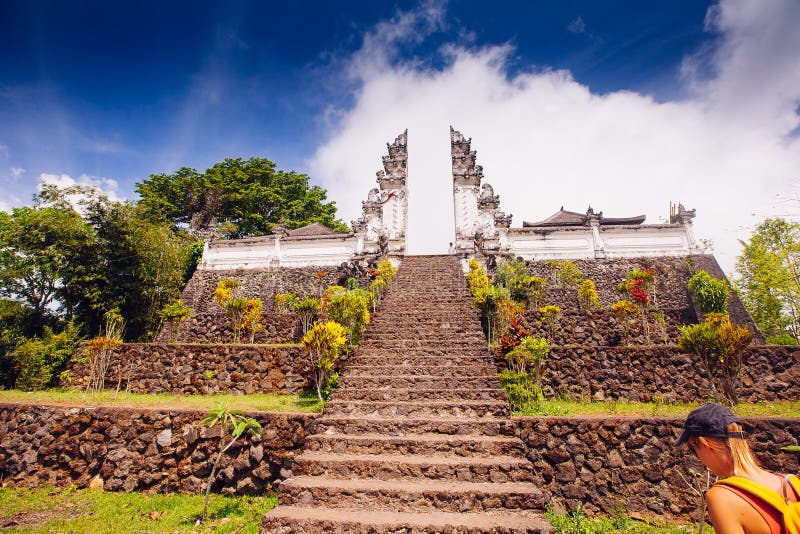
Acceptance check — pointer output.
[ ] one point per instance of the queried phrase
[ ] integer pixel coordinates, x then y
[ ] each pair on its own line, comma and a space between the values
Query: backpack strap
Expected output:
794, 483
772, 498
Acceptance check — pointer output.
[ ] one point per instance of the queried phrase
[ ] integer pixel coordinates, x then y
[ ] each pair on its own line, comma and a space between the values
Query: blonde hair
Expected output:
743, 460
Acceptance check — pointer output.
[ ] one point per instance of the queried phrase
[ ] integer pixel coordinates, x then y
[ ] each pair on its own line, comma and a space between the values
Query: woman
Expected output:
717, 439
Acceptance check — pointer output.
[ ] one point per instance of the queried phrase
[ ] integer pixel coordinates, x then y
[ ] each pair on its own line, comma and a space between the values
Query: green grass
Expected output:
304, 402
561, 407
579, 523
67, 510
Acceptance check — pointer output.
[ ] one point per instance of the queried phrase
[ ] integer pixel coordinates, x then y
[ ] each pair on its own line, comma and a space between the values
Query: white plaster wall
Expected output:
306, 253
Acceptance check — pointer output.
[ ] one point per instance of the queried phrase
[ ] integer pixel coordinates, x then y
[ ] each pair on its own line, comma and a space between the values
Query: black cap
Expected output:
710, 420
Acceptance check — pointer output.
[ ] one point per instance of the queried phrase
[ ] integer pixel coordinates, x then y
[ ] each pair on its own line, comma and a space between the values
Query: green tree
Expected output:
719, 343
251, 194
37, 246
768, 278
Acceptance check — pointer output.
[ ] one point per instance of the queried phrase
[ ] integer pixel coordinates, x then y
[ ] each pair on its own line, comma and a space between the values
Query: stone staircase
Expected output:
416, 438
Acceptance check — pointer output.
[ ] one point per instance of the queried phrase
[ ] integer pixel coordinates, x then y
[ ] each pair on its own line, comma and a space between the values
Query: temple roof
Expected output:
571, 218
314, 229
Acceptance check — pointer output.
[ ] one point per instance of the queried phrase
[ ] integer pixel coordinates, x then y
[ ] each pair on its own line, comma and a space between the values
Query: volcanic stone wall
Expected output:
597, 464
199, 292
663, 372
202, 369
671, 295
215, 327
602, 465
159, 451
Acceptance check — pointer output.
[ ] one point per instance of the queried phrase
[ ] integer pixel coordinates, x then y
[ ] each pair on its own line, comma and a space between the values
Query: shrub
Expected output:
625, 312
587, 295
521, 389
515, 331
100, 349
719, 343
549, 316
284, 302
638, 286
225, 290
41, 360
490, 301
323, 343
351, 310
386, 271
307, 309
567, 272
175, 314
529, 356
709, 293
376, 288
476, 277
251, 317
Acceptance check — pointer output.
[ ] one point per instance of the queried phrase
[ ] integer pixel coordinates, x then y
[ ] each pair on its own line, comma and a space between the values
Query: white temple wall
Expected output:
228, 255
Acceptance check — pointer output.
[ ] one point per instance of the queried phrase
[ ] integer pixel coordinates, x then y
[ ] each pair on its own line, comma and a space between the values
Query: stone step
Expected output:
469, 445
416, 394
307, 520
436, 408
404, 360
402, 426
410, 496
432, 352
498, 469
428, 370
402, 381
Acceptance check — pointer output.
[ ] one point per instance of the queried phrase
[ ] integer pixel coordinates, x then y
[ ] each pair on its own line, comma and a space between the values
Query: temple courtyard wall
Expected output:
598, 464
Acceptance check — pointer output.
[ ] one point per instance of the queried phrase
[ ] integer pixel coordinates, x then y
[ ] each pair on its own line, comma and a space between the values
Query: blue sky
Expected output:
596, 96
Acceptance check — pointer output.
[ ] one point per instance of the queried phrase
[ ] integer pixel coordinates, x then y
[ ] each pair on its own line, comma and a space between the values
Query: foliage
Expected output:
252, 194
490, 301
244, 313
323, 343
238, 425
350, 308
719, 343
768, 278
377, 287
386, 271
529, 356
522, 286
587, 295
577, 522
567, 272
100, 349
251, 317
37, 246
515, 331
130, 263
625, 312
476, 277
175, 313
710, 294
284, 302
40, 360
18, 321
521, 389
306, 309
549, 316
638, 286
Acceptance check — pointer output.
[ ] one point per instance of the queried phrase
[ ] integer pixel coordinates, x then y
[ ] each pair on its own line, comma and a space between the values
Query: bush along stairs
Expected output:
417, 437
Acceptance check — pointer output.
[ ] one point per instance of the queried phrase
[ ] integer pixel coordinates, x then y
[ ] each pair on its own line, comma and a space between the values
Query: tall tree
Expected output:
37, 244
250, 194
768, 279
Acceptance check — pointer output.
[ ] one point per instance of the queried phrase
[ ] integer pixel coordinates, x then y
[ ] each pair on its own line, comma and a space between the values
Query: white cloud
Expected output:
16, 172
545, 140
5, 206
577, 25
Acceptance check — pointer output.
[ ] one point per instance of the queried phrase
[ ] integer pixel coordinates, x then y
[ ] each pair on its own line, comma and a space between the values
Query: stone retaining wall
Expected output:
599, 464
214, 327
202, 369
646, 373
600, 328
147, 450
602, 465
